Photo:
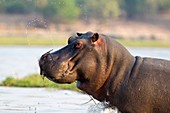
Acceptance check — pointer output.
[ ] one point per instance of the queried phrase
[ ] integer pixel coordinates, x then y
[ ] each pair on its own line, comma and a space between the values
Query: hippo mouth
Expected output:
63, 72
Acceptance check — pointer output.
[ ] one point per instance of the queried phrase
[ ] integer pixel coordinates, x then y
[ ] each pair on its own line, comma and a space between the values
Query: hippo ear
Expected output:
95, 37
79, 34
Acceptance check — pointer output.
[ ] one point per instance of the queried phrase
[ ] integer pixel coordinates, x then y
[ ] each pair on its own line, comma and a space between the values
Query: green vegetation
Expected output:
35, 80
145, 43
63, 41
32, 41
66, 10
60, 10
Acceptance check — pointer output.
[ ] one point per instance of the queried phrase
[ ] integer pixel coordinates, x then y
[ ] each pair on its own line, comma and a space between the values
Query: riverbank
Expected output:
35, 80
30, 41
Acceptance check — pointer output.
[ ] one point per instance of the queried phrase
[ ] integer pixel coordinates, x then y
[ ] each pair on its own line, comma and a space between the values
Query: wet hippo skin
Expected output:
106, 70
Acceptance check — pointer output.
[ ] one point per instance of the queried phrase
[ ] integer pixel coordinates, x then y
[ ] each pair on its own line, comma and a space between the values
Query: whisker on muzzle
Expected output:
50, 54
49, 51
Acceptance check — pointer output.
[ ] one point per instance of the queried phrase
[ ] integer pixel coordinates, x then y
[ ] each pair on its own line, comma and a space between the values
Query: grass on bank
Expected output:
35, 80
63, 41
145, 43
32, 41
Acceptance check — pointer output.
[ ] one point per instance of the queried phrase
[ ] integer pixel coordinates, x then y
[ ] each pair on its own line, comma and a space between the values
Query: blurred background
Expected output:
29, 28
127, 19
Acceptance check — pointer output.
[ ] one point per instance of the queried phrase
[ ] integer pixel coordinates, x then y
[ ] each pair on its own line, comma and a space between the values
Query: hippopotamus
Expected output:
106, 70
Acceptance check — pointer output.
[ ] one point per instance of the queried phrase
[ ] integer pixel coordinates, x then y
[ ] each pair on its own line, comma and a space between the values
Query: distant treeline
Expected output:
70, 10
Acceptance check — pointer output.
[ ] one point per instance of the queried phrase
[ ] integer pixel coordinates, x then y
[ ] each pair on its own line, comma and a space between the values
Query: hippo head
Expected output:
82, 60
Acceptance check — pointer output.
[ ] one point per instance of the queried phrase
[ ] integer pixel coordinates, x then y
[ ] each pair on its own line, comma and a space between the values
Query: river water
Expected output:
19, 61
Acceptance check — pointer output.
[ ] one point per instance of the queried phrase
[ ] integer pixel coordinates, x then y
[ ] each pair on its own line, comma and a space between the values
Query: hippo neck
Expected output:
120, 73
119, 65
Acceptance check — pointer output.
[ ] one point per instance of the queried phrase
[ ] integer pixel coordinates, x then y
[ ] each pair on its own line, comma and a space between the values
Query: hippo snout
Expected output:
46, 61
56, 68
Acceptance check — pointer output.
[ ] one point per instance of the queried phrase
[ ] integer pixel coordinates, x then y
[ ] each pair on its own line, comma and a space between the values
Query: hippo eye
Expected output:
78, 45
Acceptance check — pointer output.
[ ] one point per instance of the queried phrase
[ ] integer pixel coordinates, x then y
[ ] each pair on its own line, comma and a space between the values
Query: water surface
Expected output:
41, 100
